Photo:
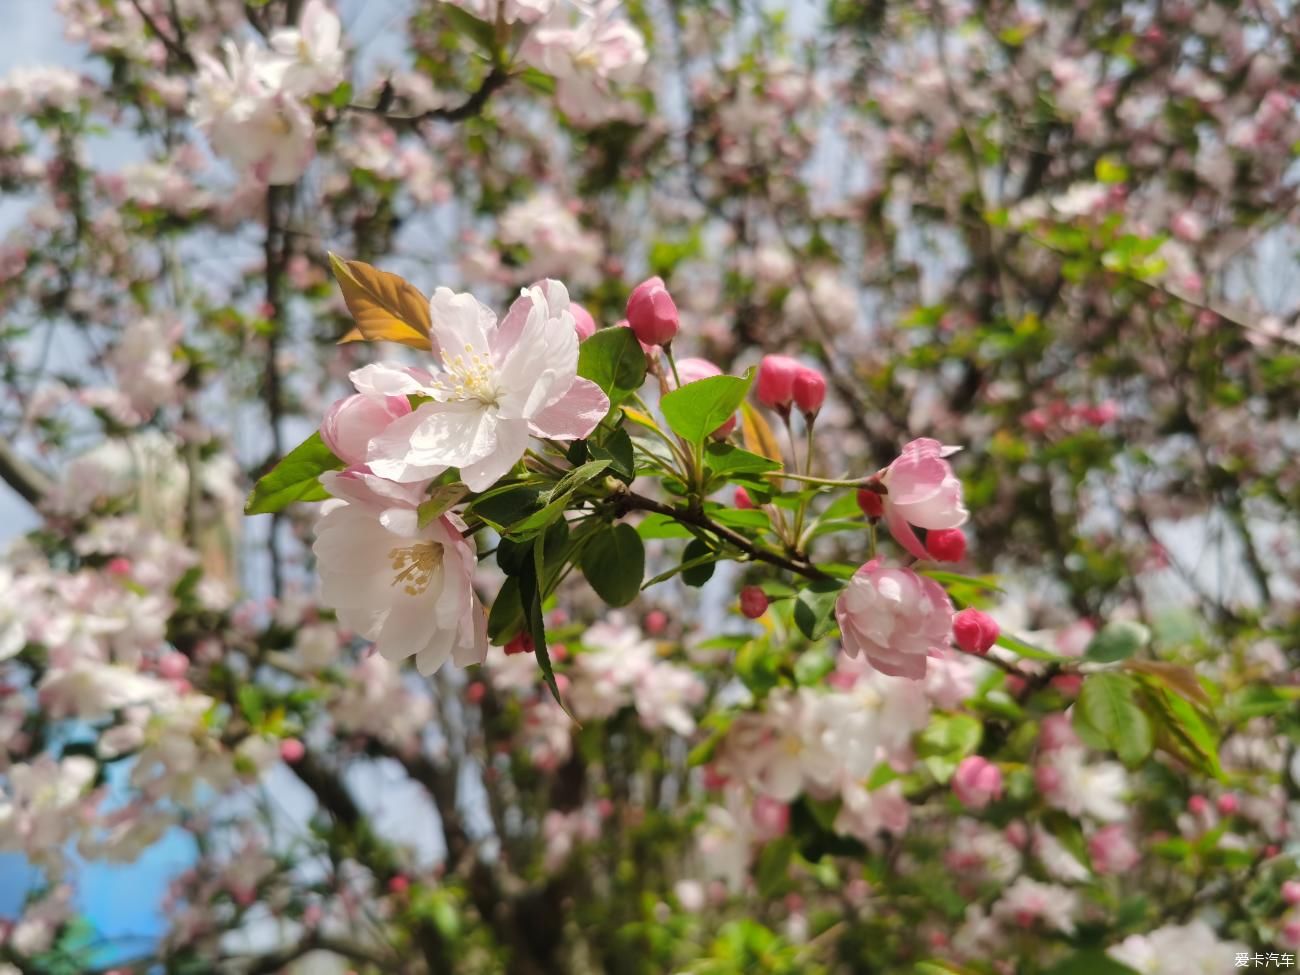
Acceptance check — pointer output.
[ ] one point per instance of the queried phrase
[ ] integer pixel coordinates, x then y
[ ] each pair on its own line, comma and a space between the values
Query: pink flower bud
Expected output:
119, 566
523, 643
1055, 731
1291, 892
352, 422
977, 782
656, 621
809, 391
292, 750
1197, 805
946, 544
753, 602
173, 665
651, 312
743, 500
871, 503
398, 885
1112, 851
975, 631
776, 376
583, 323
1228, 803
475, 692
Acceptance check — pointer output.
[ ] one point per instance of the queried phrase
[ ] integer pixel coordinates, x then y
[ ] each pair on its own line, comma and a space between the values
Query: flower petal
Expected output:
511, 440
574, 415
459, 323
902, 531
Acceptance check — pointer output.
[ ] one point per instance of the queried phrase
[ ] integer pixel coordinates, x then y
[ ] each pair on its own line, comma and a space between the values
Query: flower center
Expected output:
468, 375
415, 565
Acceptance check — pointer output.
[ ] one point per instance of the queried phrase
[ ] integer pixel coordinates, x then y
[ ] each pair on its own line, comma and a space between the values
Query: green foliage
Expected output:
295, 478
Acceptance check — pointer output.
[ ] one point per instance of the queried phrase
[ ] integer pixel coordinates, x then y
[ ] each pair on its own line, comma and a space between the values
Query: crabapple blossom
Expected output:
312, 53
406, 587
922, 491
894, 618
264, 131
498, 384
1112, 850
976, 782
351, 423
1070, 782
753, 602
871, 502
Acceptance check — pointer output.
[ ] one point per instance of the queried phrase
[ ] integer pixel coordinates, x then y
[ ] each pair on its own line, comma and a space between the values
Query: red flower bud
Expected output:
871, 503
753, 602
776, 376
523, 643
651, 312
743, 500
975, 631
292, 750
946, 544
809, 390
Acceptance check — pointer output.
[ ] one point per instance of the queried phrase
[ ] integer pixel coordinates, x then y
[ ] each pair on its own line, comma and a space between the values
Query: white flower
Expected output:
262, 130
410, 589
499, 384
313, 51
1177, 949
1028, 901
664, 696
1071, 783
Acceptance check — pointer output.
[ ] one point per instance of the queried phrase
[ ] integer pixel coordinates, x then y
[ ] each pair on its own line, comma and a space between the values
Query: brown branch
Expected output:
497, 78
173, 46
31, 484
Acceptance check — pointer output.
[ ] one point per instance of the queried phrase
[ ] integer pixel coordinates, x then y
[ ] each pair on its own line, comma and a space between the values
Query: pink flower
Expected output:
771, 818
351, 423
1291, 892
499, 384
651, 312
776, 376
946, 545
922, 491
977, 782
693, 370
893, 617
583, 322
809, 391
975, 631
753, 602
1111, 850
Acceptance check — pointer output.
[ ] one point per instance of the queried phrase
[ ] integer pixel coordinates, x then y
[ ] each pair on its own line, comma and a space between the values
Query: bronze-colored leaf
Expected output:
1180, 678
758, 434
386, 307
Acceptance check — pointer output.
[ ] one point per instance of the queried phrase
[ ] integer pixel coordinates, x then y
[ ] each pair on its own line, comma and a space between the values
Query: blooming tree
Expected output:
724, 488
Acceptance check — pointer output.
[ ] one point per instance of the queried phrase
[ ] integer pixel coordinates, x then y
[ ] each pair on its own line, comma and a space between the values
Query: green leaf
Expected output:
1107, 704
441, 501
507, 617
1091, 962
700, 558
1182, 730
655, 525
479, 31
504, 506
725, 459
1028, 650
613, 563
613, 360
537, 625
814, 608
575, 478
294, 478
773, 869
1117, 640
699, 408
617, 449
